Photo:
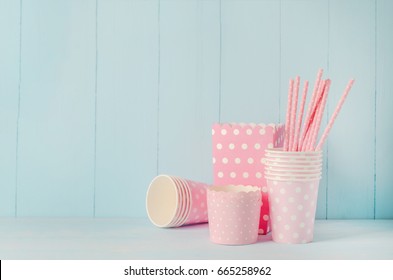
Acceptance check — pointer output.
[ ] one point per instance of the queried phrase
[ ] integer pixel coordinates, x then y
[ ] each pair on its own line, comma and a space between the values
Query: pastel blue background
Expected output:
98, 97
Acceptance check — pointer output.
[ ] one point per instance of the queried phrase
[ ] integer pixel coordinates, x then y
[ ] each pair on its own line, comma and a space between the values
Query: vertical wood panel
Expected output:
9, 83
189, 68
304, 49
351, 141
56, 136
57, 110
126, 105
250, 61
384, 128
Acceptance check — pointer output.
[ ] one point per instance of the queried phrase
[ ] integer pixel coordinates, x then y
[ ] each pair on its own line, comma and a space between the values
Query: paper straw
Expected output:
310, 106
293, 112
313, 120
319, 116
288, 118
299, 121
334, 116
309, 126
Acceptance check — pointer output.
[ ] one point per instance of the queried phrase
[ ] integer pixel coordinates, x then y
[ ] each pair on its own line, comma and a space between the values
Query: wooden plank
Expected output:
126, 105
384, 116
351, 141
9, 91
189, 99
56, 135
304, 49
250, 61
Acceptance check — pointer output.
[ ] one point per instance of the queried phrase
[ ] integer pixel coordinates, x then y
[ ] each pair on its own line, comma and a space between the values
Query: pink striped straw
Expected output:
309, 127
334, 116
310, 107
288, 119
299, 121
318, 104
321, 109
295, 95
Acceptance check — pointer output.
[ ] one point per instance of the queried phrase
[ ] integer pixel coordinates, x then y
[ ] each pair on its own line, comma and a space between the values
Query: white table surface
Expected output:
123, 239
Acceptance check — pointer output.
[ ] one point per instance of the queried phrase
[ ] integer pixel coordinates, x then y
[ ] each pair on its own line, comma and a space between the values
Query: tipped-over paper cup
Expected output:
172, 201
234, 214
292, 210
198, 202
162, 201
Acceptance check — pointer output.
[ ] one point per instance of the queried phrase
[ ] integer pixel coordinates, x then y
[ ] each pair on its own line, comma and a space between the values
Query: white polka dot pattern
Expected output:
239, 152
292, 210
234, 215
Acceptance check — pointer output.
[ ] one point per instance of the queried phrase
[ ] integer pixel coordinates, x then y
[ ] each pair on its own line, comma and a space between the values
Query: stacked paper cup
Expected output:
293, 180
172, 201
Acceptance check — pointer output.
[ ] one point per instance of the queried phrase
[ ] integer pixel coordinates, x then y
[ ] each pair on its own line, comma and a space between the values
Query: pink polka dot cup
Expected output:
172, 201
292, 210
234, 214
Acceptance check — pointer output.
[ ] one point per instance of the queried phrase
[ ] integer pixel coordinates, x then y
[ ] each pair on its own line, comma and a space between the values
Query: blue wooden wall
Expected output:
97, 97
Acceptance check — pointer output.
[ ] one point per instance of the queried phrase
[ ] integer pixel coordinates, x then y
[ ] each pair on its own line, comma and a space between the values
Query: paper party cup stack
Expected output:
173, 201
293, 180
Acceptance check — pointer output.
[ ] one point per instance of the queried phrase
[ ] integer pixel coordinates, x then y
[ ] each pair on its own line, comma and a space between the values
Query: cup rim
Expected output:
273, 155
290, 173
293, 166
294, 153
300, 158
149, 190
232, 188
183, 204
292, 180
278, 160
187, 211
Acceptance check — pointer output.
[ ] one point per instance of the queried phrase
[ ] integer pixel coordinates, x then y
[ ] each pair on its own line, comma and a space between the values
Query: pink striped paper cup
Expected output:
234, 212
292, 210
